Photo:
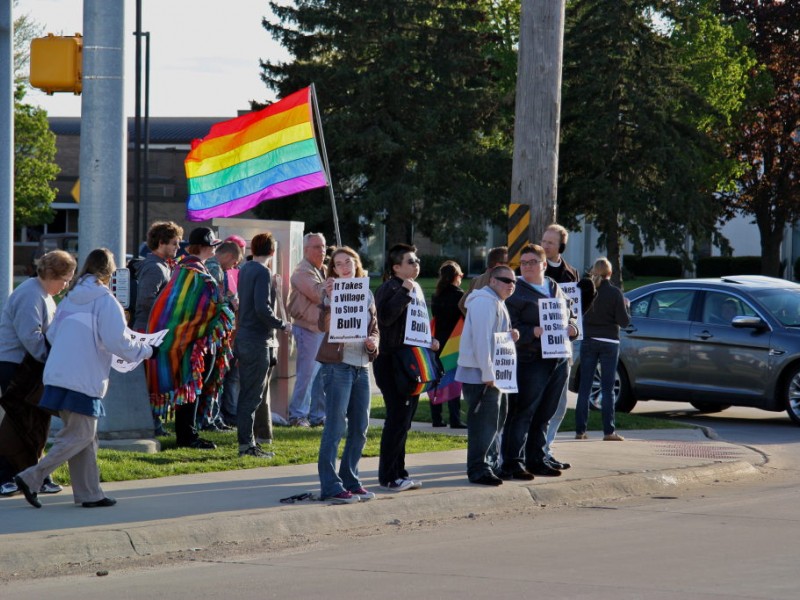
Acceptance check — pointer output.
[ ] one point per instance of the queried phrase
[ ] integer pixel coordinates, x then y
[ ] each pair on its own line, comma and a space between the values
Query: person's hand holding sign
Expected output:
515, 335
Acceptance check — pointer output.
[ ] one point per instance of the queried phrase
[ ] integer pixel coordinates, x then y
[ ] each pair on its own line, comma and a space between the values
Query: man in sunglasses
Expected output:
487, 405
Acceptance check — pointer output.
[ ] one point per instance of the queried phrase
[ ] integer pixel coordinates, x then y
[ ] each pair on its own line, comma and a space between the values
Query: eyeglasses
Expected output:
507, 280
529, 263
413, 261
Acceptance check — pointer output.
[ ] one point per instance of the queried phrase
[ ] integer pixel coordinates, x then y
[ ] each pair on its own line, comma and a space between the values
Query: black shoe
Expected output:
561, 466
199, 444
487, 479
104, 502
522, 475
439, 424
458, 425
544, 470
30, 496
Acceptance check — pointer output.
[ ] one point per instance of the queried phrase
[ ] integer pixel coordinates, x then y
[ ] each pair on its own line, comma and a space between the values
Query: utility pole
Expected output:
534, 172
6, 151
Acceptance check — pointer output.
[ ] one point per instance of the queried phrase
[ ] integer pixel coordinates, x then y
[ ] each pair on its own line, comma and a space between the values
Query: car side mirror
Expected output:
743, 322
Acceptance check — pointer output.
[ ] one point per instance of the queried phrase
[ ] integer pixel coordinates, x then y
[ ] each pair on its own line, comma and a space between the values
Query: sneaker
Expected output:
399, 485
299, 422
199, 444
613, 437
344, 497
581, 436
9, 489
415, 485
363, 494
50, 487
320, 423
256, 452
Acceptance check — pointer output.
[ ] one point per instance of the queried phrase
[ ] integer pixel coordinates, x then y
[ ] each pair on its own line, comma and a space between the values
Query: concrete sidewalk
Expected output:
158, 516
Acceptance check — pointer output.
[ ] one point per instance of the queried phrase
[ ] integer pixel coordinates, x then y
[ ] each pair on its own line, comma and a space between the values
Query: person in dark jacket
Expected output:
540, 380
601, 322
446, 313
392, 300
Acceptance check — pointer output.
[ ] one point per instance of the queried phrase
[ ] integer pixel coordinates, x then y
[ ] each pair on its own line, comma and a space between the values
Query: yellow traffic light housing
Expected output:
56, 63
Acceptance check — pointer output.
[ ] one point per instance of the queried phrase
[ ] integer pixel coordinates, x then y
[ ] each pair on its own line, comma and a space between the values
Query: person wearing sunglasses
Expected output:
540, 380
392, 300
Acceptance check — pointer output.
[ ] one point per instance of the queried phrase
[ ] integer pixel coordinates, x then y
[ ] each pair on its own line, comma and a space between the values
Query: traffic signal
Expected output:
56, 63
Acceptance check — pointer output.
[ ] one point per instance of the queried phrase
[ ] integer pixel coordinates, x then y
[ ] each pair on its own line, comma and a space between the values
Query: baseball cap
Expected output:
203, 236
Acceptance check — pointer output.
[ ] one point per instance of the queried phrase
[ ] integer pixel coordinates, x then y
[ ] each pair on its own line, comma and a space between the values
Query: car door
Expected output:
654, 348
728, 364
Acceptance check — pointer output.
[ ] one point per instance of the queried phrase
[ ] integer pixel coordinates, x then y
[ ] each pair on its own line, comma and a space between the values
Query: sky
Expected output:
203, 54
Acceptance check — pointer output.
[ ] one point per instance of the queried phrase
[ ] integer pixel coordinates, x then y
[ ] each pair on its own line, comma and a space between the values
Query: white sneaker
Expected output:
9, 489
399, 485
363, 494
50, 487
344, 497
415, 485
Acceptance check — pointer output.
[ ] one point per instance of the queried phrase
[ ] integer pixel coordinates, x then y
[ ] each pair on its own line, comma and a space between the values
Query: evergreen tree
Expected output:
632, 158
409, 107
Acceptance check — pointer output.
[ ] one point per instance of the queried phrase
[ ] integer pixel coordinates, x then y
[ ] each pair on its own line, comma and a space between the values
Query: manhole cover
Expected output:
695, 450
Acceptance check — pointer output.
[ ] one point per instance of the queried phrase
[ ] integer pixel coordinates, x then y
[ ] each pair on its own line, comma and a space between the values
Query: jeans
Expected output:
230, 394
348, 397
555, 421
254, 371
400, 409
540, 384
485, 419
308, 401
592, 353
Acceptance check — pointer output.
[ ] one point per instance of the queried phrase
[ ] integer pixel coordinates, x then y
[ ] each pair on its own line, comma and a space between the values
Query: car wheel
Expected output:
791, 392
624, 400
709, 407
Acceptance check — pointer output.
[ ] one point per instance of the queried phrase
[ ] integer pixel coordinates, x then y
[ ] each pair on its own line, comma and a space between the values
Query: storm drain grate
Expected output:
694, 450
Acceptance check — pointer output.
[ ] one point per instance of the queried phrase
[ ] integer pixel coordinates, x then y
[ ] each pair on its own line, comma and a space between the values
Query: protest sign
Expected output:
505, 363
418, 330
573, 294
553, 318
151, 339
350, 300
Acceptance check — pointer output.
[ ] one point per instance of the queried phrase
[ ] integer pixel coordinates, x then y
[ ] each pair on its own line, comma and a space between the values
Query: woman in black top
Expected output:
444, 306
601, 322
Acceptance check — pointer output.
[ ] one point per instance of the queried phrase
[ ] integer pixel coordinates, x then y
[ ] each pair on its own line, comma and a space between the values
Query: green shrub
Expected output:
661, 266
719, 266
430, 263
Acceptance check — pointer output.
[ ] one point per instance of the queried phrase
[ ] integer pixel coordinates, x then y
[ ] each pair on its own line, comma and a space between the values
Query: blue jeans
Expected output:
230, 394
540, 383
254, 371
558, 417
592, 353
487, 409
348, 396
307, 401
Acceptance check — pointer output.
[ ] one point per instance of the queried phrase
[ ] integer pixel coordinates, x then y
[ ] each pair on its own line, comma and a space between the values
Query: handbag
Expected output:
419, 368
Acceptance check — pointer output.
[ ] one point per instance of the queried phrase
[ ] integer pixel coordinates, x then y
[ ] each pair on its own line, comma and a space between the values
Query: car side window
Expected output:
672, 305
720, 308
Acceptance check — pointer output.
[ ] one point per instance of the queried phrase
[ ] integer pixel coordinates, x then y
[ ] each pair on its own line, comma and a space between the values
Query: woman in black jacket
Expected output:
601, 322
444, 306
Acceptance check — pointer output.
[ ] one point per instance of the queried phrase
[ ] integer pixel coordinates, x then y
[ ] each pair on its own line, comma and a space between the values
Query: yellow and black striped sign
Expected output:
519, 219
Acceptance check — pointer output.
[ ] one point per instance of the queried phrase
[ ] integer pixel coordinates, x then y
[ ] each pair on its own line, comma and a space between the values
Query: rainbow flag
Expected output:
448, 388
259, 156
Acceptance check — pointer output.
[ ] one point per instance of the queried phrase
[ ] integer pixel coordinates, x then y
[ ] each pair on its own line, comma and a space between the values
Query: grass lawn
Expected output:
299, 446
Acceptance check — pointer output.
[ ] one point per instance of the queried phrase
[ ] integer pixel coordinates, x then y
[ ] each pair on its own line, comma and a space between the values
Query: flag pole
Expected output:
325, 164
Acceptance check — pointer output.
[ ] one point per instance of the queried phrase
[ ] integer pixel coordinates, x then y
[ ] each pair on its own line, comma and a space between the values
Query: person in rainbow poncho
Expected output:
195, 353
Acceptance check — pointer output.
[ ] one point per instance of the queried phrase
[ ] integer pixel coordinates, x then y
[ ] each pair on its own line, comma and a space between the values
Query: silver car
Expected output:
715, 343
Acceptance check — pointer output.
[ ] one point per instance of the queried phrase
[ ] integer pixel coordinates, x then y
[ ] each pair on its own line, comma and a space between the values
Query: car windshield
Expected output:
783, 304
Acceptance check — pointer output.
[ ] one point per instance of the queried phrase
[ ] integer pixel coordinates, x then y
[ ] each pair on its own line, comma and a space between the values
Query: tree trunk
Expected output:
770, 224
613, 253
537, 113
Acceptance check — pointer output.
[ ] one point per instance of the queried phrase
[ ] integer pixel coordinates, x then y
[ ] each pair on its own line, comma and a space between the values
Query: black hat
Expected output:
203, 236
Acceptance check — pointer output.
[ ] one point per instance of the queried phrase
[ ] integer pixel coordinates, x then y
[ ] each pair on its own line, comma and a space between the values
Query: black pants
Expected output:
185, 432
400, 409
453, 407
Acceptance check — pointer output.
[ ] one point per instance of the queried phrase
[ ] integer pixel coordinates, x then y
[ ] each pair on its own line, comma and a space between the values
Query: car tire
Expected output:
625, 402
791, 394
709, 407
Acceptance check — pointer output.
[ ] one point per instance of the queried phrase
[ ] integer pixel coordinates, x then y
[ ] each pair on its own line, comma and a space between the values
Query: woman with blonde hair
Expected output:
88, 329
601, 323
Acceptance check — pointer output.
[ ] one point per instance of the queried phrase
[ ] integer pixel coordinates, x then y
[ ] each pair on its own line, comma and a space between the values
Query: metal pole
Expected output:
146, 175
325, 164
103, 169
6, 151
137, 133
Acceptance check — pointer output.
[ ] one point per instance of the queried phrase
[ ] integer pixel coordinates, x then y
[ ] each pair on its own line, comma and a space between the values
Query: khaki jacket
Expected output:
308, 284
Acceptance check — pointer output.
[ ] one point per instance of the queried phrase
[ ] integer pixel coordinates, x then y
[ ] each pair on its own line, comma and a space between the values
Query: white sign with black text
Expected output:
505, 363
573, 294
418, 323
350, 300
151, 339
553, 318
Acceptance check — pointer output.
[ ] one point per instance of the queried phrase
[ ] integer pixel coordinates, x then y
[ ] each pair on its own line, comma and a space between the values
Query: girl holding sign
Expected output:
345, 377
402, 318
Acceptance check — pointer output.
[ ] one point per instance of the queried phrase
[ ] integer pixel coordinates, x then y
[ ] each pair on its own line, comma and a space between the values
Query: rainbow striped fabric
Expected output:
259, 156
448, 388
